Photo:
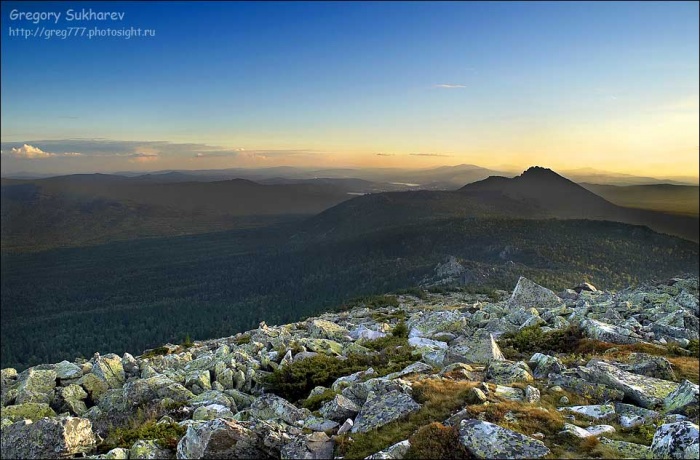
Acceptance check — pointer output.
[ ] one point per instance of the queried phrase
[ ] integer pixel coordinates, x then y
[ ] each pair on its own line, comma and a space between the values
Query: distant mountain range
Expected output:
87, 209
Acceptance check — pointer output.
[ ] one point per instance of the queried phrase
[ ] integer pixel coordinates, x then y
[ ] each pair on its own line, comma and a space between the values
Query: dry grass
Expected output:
437, 441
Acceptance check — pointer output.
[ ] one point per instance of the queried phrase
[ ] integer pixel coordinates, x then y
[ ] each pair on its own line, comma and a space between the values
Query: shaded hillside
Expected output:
96, 208
680, 199
130, 296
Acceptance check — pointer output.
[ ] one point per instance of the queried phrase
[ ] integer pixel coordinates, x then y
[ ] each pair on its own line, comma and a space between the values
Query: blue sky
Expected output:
333, 84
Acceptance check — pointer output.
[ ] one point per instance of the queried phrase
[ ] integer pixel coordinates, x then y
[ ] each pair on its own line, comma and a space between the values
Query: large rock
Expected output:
65, 370
93, 385
676, 440
481, 348
380, 409
36, 386
487, 440
595, 412
530, 294
508, 372
110, 369
141, 391
272, 407
73, 397
231, 439
427, 324
545, 364
322, 329
605, 332
339, 409
647, 392
309, 447
211, 412
651, 366
631, 416
359, 392
684, 400
594, 392
626, 449
48, 438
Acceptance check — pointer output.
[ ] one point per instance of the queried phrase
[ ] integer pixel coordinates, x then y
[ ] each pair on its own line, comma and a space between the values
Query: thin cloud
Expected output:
449, 86
143, 157
384, 154
429, 155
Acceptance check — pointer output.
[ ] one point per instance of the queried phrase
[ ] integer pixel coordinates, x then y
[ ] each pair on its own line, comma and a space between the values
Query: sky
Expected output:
566, 85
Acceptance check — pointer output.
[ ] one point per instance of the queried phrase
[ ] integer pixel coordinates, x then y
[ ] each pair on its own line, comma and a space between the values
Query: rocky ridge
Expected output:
620, 370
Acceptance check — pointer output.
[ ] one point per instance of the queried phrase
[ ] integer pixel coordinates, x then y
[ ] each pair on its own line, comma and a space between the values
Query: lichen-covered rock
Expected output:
684, 400
509, 393
626, 449
213, 397
65, 370
93, 385
109, 368
73, 397
575, 432
630, 416
598, 412
594, 392
480, 348
530, 294
487, 440
36, 386
323, 346
140, 391
605, 332
339, 408
199, 377
148, 449
30, 411
427, 324
508, 372
367, 334
271, 407
651, 366
647, 392
231, 439
118, 453
476, 396
415, 368
380, 409
532, 395
347, 380
314, 423
322, 329
211, 412
47, 438
359, 392
545, 364
312, 446
676, 440
394, 452
601, 430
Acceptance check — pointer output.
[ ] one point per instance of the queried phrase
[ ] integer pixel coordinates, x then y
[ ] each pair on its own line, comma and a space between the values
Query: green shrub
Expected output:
187, 342
166, 435
526, 341
400, 330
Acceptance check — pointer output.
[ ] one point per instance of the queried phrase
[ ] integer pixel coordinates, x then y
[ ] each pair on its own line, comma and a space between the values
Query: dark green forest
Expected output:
129, 296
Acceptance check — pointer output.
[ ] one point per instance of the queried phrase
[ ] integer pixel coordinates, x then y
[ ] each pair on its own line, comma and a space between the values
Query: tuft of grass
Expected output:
437, 441
187, 342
